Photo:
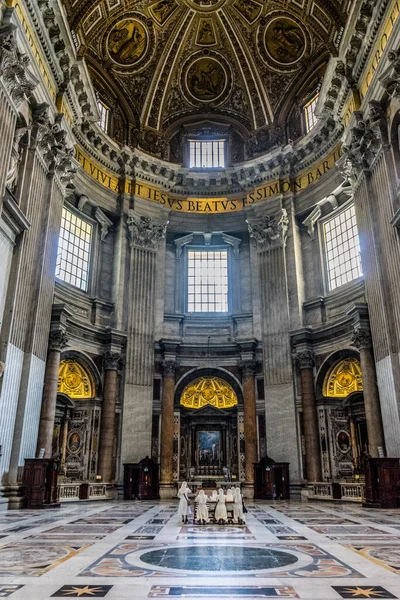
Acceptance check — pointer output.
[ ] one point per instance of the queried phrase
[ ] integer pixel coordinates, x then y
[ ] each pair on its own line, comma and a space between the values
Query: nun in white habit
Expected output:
229, 495
238, 516
214, 496
202, 510
221, 516
184, 509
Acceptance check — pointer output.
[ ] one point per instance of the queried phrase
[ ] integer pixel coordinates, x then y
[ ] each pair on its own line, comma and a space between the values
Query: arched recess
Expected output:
341, 415
328, 364
88, 365
78, 415
208, 433
223, 374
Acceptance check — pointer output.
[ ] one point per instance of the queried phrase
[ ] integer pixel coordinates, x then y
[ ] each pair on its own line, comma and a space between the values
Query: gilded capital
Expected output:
305, 360
111, 361
58, 340
361, 339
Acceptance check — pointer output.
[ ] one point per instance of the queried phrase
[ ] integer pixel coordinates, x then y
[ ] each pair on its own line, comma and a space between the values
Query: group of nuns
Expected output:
221, 515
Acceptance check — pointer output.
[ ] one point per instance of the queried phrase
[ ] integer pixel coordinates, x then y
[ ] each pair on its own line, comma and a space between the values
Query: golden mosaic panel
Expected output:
74, 381
211, 391
343, 379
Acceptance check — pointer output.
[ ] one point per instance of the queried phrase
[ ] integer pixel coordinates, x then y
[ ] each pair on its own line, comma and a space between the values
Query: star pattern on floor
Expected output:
363, 592
79, 591
7, 590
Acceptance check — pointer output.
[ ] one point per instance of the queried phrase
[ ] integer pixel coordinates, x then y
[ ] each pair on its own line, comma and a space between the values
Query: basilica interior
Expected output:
199, 282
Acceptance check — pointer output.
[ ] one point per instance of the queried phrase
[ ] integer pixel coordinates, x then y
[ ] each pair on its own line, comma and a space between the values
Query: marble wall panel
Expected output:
6, 253
282, 444
389, 404
137, 422
8, 403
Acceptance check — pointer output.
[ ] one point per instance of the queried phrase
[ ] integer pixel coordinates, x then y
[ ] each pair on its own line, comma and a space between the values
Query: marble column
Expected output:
167, 428
57, 342
306, 362
250, 420
111, 363
64, 437
363, 342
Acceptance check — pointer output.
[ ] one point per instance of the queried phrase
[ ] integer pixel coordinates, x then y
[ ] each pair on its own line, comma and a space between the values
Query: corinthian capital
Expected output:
14, 66
269, 232
364, 145
144, 231
111, 361
58, 340
361, 339
305, 360
390, 78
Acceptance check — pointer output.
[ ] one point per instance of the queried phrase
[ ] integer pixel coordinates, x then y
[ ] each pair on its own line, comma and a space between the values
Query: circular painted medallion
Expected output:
127, 42
206, 79
285, 41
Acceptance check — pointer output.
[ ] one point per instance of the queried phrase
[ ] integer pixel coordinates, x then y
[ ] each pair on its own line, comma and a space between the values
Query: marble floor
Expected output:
138, 550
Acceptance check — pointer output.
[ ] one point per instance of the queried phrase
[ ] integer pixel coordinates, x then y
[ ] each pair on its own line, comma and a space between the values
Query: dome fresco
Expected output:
241, 64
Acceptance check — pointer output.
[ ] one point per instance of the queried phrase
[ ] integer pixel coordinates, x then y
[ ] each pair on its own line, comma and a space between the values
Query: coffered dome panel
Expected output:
241, 62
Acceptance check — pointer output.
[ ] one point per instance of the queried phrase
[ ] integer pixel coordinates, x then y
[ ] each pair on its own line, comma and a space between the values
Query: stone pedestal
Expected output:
305, 362
250, 425
167, 426
167, 491
362, 340
111, 362
57, 342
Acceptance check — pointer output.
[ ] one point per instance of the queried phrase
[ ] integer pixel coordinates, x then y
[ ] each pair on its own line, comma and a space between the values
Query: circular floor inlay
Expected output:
218, 558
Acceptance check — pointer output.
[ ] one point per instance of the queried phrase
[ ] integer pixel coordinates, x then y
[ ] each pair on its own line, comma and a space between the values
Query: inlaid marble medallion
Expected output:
36, 558
259, 560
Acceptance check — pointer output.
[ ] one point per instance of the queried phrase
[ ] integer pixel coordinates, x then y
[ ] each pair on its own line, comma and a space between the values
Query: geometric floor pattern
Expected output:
140, 550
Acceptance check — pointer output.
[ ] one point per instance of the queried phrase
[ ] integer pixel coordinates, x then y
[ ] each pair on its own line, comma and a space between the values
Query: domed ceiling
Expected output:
241, 64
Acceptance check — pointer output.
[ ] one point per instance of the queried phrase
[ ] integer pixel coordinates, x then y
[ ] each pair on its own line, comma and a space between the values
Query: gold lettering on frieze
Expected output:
37, 52
209, 205
105, 178
379, 47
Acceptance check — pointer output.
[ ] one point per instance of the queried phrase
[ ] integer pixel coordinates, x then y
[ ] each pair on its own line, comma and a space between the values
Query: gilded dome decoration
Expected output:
74, 380
285, 41
207, 79
343, 379
127, 42
177, 62
208, 390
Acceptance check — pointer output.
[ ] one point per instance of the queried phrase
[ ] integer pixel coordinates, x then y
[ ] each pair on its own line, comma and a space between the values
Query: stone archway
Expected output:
208, 422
